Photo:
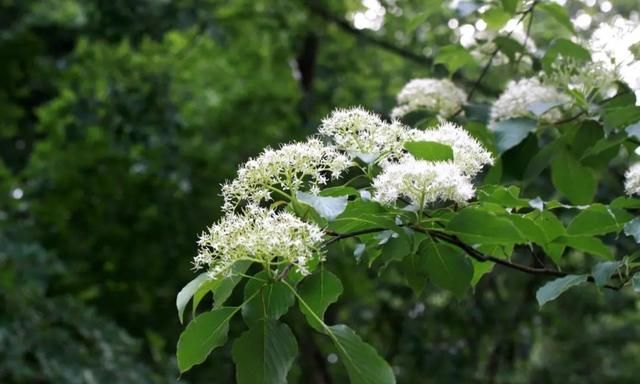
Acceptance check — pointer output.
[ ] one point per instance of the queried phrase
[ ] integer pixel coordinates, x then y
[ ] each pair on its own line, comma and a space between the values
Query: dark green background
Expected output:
119, 120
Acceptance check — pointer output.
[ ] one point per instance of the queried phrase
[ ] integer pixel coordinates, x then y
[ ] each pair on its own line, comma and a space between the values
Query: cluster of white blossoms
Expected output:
440, 96
422, 183
468, 154
521, 95
611, 47
288, 169
363, 134
258, 235
632, 180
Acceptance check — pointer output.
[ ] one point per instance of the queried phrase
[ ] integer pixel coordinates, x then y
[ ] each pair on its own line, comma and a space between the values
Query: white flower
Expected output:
258, 235
520, 95
291, 168
611, 47
442, 97
421, 183
468, 154
362, 133
632, 180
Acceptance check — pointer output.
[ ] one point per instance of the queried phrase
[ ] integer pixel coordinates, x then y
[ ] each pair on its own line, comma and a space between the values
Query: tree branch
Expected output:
469, 250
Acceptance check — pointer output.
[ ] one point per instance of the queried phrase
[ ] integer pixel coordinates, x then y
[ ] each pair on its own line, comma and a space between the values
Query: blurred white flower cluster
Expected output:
258, 235
440, 96
632, 180
468, 154
424, 182
611, 47
286, 170
362, 133
522, 97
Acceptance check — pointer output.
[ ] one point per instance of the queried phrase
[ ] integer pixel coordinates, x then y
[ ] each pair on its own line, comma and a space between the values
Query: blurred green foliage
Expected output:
118, 122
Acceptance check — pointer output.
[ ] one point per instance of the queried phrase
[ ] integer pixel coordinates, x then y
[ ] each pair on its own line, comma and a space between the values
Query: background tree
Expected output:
119, 121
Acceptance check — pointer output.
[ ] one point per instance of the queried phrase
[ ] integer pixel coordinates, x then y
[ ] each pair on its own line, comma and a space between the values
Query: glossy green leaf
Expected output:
602, 272
265, 353
186, 293
202, 335
364, 365
429, 150
476, 225
221, 287
328, 207
319, 291
553, 289
512, 132
632, 228
597, 219
572, 179
273, 299
588, 244
447, 266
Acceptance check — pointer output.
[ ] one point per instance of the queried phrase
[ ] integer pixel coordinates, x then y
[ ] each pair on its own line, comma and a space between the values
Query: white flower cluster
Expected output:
288, 169
611, 47
519, 96
442, 97
632, 180
425, 182
363, 134
258, 235
422, 183
468, 154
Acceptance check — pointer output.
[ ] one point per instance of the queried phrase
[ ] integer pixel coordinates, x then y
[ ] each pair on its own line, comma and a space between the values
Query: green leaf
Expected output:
632, 228
362, 214
363, 363
340, 190
203, 334
509, 47
572, 179
186, 293
508, 197
319, 291
587, 244
478, 226
447, 266
429, 150
273, 299
510, 5
602, 272
265, 353
416, 271
541, 160
221, 287
551, 290
395, 249
512, 132
496, 18
530, 230
597, 220
559, 13
454, 57
566, 49
328, 207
